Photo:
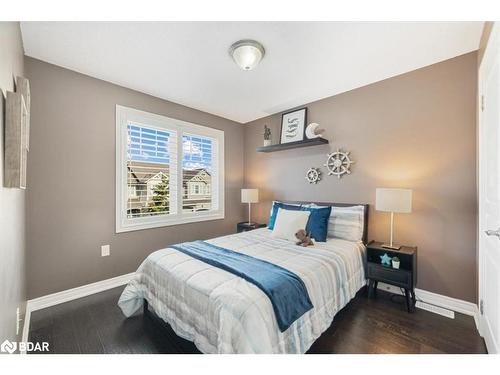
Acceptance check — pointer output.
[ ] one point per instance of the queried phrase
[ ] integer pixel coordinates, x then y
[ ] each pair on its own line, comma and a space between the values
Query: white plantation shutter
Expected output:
167, 171
151, 161
199, 172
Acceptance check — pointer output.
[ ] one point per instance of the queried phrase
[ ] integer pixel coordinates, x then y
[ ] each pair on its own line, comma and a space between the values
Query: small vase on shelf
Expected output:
267, 136
395, 262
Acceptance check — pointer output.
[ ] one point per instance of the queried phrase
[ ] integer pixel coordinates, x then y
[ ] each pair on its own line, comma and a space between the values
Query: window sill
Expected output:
129, 227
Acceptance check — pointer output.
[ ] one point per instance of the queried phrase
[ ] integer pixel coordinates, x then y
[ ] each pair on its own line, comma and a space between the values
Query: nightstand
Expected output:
245, 227
405, 277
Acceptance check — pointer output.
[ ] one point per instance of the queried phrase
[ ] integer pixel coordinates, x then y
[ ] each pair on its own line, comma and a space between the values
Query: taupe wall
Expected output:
12, 201
71, 181
416, 131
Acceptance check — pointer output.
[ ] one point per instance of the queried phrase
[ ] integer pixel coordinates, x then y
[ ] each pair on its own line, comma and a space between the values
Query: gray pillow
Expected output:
346, 223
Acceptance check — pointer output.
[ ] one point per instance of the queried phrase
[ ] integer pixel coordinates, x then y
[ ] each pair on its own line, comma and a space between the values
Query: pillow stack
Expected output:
316, 225
322, 221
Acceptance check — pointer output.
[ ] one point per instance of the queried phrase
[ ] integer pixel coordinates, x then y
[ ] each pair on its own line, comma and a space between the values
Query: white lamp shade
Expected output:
393, 200
249, 195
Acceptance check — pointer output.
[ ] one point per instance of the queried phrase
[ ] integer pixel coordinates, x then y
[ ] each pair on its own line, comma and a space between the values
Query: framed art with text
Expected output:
293, 126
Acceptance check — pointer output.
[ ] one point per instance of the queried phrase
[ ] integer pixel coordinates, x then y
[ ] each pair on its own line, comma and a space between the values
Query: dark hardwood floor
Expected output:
95, 324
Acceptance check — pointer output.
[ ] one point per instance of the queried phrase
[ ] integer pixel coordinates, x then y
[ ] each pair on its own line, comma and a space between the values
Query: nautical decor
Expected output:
293, 126
338, 163
385, 260
312, 131
313, 175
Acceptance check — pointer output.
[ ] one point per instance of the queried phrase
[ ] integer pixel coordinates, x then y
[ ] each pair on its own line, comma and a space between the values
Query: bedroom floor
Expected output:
95, 324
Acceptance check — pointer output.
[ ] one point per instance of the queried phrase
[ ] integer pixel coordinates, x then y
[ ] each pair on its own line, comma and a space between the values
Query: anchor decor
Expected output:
338, 163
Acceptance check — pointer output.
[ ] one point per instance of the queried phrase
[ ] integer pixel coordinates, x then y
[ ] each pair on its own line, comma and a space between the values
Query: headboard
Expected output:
365, 212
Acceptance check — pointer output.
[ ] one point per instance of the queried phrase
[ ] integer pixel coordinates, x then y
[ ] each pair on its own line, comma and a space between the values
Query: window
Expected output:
196, 189
167, 171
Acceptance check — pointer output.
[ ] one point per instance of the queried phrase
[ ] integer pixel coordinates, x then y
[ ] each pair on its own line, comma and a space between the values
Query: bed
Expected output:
223, 313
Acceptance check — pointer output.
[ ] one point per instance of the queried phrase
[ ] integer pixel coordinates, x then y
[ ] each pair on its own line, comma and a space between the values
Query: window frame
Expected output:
126, 115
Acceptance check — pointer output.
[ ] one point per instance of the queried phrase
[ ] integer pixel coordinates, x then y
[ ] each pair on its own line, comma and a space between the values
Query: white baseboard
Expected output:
26, 326
69, 295
453, 304
79, 292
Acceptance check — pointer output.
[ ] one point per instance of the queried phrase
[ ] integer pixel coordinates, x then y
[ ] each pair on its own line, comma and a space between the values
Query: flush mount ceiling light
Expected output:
247, 53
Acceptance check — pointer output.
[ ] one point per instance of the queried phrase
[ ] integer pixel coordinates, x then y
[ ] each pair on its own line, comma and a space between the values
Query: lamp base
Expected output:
393, 247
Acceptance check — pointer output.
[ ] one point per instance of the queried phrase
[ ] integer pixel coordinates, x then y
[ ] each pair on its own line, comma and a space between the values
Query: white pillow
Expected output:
288, 223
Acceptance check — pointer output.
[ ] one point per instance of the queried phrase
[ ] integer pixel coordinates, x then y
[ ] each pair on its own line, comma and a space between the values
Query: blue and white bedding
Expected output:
224, 313
285, 290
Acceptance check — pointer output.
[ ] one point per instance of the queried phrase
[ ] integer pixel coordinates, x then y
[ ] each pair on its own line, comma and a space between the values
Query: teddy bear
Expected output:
304, 239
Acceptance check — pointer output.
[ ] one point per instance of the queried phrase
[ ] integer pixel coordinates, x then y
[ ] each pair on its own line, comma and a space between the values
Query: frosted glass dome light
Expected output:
247, 53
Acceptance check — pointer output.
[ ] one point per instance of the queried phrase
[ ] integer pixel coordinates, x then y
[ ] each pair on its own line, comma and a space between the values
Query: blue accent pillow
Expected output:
317, 225
274, 211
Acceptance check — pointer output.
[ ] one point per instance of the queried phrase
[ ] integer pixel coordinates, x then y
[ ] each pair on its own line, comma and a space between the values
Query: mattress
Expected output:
223, 313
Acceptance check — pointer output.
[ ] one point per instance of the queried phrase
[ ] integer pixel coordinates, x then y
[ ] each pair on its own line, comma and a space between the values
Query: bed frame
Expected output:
161, 322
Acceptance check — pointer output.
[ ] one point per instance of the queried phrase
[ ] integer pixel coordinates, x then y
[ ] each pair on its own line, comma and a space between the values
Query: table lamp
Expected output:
249, 196
393, 201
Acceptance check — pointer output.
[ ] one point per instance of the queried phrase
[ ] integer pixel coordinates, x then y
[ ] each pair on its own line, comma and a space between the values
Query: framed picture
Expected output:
293, 125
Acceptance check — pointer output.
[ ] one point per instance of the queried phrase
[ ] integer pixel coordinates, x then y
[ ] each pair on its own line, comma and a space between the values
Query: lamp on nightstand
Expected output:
249, 196
393, 200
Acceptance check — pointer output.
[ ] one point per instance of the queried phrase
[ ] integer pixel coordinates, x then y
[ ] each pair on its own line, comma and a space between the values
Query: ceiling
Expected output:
188, 62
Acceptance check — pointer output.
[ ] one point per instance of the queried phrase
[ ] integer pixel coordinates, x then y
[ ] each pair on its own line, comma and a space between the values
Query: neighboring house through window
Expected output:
168, 171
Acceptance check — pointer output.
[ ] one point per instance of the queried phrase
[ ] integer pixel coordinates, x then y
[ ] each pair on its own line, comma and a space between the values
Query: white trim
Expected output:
490, 57
79, 292
491, 345
123, 116
165, 222
453, 304
69, 295
26, 326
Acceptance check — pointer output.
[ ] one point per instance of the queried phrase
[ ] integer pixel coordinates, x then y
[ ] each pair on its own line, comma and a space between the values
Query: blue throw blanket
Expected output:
286, 290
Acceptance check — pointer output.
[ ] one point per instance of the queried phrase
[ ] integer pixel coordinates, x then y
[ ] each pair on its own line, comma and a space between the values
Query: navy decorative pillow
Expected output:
274, 211
317, 225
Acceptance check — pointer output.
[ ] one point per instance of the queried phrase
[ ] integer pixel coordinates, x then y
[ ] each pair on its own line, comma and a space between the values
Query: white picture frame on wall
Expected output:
293, 126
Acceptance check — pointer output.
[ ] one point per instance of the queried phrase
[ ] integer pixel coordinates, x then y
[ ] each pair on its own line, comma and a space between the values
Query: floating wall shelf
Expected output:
289, 146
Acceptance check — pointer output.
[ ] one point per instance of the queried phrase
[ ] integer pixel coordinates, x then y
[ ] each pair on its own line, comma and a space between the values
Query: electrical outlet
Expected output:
105, 250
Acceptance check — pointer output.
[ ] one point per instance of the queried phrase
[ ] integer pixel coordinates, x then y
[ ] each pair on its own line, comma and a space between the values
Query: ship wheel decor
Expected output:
313, 175
338, 163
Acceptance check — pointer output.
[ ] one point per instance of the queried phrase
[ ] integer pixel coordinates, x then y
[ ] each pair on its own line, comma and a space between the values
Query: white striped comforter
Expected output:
223, 313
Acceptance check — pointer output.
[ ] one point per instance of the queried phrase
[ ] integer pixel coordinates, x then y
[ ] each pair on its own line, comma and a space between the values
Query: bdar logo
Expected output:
8, 347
